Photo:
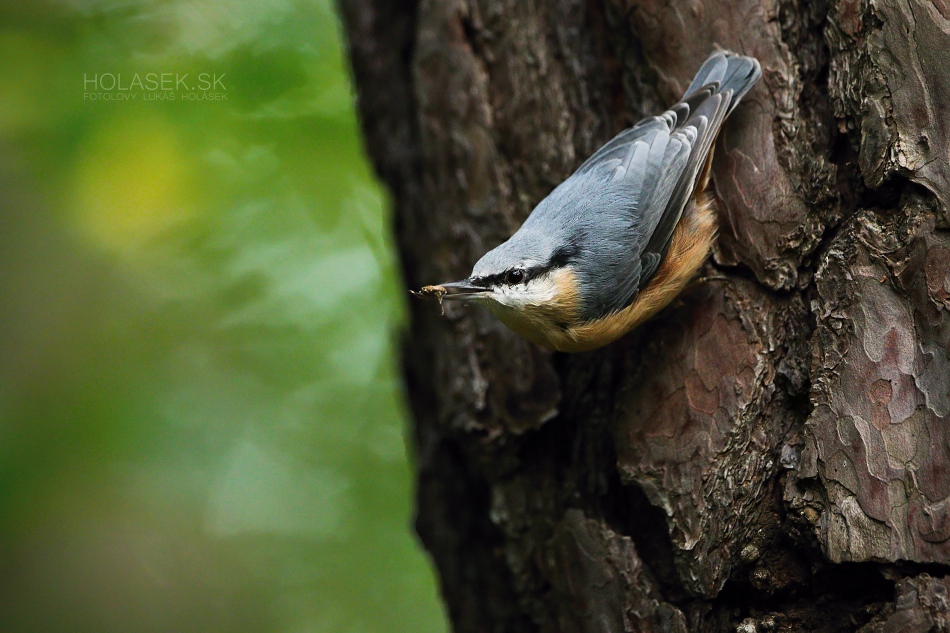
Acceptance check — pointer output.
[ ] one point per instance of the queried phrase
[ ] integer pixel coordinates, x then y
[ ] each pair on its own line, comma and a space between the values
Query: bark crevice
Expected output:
769, 452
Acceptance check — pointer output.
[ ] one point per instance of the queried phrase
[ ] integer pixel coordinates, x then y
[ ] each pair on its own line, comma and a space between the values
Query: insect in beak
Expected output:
463, 289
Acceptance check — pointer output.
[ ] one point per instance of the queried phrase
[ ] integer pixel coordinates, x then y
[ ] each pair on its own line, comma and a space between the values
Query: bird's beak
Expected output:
463, 289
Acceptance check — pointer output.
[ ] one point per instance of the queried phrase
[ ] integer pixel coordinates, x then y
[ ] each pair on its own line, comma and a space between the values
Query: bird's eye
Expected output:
516, 276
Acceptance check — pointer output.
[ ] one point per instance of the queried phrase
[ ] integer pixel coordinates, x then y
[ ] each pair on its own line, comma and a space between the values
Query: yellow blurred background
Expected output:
201, 422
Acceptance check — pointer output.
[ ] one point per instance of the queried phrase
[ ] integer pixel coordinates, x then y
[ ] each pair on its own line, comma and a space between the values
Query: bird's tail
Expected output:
731, 72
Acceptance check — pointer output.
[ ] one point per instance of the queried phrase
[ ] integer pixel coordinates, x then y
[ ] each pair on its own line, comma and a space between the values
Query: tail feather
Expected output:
722, 80
730, 73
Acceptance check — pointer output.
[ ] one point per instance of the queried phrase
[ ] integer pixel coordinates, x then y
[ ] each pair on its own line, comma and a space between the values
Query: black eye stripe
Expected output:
512, 277
563, 256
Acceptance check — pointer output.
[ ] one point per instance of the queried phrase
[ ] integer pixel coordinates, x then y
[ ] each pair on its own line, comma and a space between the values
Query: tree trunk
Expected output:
771, 452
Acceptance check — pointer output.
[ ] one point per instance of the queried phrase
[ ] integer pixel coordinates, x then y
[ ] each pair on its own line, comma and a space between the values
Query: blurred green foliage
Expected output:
201, 424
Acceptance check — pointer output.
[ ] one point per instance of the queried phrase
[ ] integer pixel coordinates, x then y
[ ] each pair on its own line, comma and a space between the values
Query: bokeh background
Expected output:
201, 422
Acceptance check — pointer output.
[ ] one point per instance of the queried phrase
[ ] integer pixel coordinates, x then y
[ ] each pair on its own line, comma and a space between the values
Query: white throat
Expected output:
541, 290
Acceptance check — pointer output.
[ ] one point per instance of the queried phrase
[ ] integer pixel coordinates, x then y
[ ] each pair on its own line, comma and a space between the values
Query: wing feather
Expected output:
652, 169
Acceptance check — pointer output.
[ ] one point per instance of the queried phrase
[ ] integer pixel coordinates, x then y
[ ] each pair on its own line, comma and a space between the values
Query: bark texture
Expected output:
771, 452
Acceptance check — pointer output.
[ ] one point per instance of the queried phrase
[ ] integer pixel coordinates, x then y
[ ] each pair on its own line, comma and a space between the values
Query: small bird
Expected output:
622, 237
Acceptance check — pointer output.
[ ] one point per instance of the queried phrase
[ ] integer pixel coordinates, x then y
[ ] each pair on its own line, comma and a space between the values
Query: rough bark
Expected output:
771, 452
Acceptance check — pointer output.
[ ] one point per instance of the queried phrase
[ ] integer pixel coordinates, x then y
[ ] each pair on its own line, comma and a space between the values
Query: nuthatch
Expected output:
620, 238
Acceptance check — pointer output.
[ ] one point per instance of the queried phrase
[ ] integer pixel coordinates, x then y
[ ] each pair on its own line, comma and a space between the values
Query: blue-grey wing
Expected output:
639, 183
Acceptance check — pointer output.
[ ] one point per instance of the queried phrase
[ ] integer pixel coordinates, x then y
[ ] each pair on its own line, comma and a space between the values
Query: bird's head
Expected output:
532, 289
